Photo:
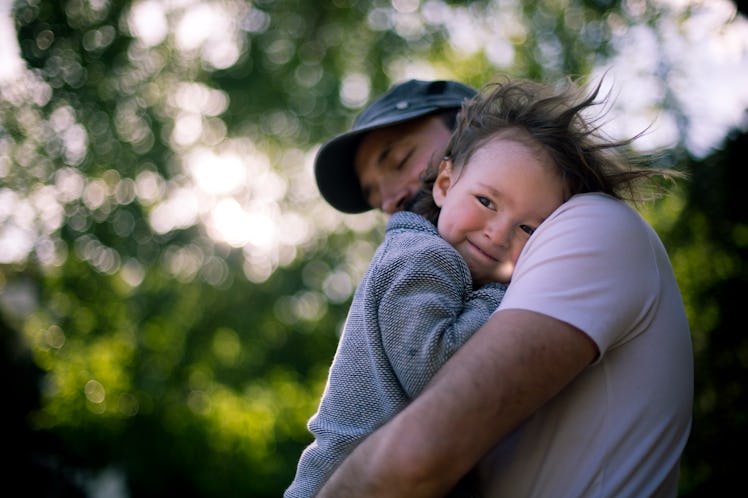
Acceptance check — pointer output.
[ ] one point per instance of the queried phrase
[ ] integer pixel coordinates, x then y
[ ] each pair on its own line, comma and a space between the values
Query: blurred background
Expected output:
172, 286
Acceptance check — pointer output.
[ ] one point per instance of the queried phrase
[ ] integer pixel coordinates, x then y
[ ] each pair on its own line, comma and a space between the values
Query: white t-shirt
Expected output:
619, 429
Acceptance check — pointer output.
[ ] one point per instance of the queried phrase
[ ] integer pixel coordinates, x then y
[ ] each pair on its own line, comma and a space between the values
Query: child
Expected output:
438, 275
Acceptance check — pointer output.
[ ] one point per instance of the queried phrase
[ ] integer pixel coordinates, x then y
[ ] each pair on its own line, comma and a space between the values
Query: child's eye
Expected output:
527, 229
484, 200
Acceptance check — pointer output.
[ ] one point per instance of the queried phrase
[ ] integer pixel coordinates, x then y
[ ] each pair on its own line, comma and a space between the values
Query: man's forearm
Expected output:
512, 365
375, 468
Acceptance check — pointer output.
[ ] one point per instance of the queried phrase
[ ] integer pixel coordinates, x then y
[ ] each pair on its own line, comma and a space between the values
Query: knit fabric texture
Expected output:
414, 307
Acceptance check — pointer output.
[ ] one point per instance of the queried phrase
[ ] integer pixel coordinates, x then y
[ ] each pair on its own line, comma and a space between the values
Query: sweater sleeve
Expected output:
428, 308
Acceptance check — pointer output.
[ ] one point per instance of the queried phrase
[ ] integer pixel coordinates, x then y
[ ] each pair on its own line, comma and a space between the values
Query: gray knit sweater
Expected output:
414, 307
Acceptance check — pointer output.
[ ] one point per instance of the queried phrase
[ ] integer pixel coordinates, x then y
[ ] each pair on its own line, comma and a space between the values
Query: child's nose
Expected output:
498, 231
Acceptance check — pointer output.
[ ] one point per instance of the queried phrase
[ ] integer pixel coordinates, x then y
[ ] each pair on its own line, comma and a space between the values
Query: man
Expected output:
579, 385
377, 163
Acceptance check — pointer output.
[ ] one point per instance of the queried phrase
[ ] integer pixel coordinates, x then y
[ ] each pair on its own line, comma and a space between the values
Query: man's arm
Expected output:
516, 362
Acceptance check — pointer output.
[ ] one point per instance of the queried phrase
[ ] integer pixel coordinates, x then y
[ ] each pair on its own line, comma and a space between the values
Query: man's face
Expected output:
390, 160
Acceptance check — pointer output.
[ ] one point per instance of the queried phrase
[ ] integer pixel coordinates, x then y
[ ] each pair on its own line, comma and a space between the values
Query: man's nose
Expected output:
394, 199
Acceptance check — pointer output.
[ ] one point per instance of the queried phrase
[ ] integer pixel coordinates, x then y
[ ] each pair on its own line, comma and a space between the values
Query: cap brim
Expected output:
334, 169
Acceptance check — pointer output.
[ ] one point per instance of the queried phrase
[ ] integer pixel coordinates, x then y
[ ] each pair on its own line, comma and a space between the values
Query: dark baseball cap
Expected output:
333, 166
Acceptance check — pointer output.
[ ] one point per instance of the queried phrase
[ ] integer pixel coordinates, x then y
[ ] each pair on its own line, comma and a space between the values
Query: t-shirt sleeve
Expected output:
589, 265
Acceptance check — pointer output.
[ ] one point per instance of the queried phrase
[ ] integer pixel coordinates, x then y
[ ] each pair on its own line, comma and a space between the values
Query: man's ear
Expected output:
443, 181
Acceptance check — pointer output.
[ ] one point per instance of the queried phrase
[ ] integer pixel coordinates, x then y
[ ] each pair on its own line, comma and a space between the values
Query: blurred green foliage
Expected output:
143, 358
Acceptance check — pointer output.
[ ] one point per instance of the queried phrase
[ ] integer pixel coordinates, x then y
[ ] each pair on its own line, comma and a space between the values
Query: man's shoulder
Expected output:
595, 201
598, 228
597, 211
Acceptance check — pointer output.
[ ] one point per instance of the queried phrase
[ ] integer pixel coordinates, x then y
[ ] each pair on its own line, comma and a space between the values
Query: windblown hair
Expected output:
550, 122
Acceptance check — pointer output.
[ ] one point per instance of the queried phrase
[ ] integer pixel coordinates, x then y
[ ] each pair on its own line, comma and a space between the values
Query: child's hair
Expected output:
542, 118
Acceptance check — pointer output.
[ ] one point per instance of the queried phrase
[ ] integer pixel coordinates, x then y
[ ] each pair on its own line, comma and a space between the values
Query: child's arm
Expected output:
428, 310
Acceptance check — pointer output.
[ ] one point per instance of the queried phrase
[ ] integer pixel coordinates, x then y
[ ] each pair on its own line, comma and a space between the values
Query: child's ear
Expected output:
443, 181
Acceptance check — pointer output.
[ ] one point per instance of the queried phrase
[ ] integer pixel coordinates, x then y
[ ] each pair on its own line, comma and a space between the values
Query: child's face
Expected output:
492, 205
